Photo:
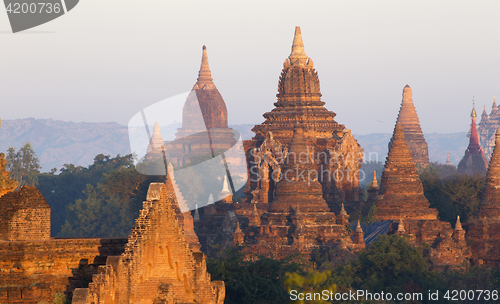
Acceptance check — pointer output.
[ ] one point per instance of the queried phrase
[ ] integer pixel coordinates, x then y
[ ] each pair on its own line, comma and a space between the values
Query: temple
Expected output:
401, 191
204, 132
485, 228
333, 150
402, 201
298, 219
414, 137
157, 265
474, 160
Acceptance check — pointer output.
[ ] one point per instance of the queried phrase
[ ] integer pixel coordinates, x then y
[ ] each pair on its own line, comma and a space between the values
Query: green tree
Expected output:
23, 165
258, 281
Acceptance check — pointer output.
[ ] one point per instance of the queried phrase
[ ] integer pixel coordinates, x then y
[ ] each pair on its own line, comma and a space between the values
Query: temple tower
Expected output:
485, 229
413, 133
331, 147
204, 131
298, 219
401, 191
474, 160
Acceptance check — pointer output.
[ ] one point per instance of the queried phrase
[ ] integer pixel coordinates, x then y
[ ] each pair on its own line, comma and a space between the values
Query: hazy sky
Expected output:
107, 59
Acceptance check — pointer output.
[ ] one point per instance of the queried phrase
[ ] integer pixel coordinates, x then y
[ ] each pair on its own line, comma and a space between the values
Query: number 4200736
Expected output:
33, 8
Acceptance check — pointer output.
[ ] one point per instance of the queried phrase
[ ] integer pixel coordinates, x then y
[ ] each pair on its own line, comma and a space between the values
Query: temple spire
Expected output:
474, 139
204, 76
298, 47
374, 180
413, 132
448, 162
458, 225
474, 160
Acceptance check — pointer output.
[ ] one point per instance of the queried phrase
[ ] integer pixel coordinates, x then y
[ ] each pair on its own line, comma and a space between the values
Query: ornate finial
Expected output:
358, 228
211, 199
342, 210
298, 56
448, 162
374, 180
458, 225
473, 113
204, 76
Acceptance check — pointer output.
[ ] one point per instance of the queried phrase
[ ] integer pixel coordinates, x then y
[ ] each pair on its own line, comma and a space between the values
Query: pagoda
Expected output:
334, 153
298, 219
485, 229
414, 137
401, 191
402, 201
474, 160
204, 132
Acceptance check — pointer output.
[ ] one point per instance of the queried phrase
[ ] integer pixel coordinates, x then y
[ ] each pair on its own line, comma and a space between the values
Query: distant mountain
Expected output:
61, 142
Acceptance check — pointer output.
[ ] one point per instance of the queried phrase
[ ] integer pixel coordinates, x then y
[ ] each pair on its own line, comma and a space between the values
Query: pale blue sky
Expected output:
107, 59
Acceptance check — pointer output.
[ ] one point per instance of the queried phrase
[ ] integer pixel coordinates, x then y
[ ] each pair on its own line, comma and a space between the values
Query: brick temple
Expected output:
334, 152
484, 229
401, 200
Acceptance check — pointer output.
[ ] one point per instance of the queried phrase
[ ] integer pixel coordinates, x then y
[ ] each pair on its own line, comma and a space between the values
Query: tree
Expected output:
252, 281
23, 165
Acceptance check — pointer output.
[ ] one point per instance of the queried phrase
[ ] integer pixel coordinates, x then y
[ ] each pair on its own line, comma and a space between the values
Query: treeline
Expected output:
100, 200
389, 265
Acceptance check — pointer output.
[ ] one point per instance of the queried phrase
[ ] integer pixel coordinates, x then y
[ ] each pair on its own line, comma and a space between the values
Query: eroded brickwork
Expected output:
157, 265
24, 215
33, 271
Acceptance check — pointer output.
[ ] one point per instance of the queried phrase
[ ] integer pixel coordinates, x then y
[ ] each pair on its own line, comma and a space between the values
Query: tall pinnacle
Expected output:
374, 180
413, 133
489, 207
204, 76
474, 160
297, 47
156, 142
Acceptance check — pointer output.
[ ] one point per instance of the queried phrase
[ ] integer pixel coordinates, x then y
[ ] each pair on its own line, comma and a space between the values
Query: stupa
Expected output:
474, 160
485, 229
414, 137
334, 152
401, 191
298, 219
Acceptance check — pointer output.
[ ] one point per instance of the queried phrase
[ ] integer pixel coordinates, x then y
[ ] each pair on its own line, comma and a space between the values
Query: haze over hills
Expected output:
60, 142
